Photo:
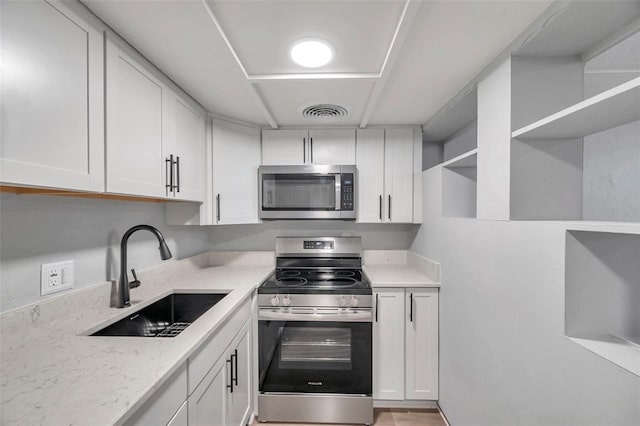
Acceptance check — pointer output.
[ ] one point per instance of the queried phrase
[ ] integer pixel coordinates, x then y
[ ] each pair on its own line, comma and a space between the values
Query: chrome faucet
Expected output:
124, 285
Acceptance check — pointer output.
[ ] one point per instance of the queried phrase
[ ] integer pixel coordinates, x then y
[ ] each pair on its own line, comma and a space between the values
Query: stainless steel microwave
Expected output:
307, 192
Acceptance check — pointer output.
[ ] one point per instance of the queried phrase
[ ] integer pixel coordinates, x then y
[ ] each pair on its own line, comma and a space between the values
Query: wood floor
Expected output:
387, 417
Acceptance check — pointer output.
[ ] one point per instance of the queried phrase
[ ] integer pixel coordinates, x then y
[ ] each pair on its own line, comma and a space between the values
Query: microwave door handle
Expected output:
338, 192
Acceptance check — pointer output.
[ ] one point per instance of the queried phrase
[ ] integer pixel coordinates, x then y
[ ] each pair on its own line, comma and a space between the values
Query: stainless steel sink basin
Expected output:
166, 317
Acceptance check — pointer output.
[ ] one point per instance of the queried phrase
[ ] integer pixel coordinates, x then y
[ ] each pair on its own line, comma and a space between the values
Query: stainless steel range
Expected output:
314, 330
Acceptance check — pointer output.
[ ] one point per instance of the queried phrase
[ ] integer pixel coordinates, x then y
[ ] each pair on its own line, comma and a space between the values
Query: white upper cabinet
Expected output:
187, 145
398, 175
137, 124
332, 146
297, 147
385, 161
236, 157
51, 130
284, 147
155, 135
370, 163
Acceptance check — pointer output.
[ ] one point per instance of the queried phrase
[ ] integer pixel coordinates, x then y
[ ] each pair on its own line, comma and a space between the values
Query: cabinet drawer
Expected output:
164, 403
202, 361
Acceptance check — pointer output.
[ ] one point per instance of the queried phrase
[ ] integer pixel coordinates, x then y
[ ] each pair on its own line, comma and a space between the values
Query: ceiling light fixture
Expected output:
311, 52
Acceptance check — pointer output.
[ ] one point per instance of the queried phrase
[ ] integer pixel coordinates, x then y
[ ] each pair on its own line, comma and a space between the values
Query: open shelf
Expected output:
468, 159
459, 185
602, 295
612, 108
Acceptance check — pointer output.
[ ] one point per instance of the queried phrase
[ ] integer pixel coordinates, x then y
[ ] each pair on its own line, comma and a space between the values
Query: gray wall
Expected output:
36, 229
611, 182
504, 359
262, 236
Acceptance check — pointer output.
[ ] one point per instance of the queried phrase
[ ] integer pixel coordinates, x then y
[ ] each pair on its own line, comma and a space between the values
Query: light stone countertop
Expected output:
51, 374
397, 276
400, 268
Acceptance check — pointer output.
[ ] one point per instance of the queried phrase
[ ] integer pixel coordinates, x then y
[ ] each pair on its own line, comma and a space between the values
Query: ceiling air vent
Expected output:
325, 112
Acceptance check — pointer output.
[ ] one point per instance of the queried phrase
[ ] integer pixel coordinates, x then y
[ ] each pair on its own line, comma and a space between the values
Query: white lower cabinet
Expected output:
405, 344
224, 397
181, 418
165, 405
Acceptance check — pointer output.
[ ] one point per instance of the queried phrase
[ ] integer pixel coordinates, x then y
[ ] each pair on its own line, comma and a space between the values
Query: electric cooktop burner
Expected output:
312, 280
317, 265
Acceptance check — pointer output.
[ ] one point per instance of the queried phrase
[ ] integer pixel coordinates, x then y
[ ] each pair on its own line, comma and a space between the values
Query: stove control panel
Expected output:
317, 245
284, 301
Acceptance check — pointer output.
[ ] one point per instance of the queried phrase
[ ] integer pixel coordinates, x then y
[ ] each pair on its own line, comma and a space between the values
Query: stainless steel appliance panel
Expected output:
315, 408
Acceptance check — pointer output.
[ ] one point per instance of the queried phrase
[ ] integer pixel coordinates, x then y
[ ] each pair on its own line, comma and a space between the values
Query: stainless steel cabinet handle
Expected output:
389, 207
235, 368
178, 174
168, 174
230, 385
218, 207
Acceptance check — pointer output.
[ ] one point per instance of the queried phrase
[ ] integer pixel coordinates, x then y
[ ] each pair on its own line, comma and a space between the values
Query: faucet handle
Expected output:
136, 282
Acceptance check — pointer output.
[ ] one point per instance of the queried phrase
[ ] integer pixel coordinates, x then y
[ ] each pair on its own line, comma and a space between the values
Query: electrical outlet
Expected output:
56, 277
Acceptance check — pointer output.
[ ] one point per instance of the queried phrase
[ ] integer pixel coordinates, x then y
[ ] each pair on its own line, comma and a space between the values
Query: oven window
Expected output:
313, 347
298, 192
315, 357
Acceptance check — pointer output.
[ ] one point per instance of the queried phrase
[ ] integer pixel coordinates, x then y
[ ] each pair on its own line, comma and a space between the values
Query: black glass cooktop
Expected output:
344, 281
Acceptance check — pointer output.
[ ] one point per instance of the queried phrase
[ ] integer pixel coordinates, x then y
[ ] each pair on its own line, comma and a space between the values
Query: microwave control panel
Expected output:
346, 182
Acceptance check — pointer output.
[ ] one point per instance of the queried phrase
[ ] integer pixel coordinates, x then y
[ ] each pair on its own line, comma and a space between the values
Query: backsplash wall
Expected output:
36, 229
262, 236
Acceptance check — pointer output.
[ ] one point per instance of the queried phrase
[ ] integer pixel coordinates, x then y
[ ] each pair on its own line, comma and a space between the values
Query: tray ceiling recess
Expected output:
393, 62
363, 49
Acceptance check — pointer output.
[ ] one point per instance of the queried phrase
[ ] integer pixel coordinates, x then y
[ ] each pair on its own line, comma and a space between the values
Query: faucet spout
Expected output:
123, 285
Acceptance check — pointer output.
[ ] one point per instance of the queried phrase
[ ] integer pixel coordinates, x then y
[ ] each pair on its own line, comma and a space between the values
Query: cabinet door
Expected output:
181, 417
188, 148
239, 402
284, 147
422, 343
51, 128
388, 344
137, 115
236, 157
165, 403
332, 146
398, 170
370, 163
208, 402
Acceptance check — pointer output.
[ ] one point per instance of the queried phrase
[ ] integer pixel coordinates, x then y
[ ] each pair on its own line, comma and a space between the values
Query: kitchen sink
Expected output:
166, 317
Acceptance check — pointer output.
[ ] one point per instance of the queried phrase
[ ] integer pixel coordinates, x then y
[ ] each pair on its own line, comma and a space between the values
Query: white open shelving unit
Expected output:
612, 108
602, 294
460, 185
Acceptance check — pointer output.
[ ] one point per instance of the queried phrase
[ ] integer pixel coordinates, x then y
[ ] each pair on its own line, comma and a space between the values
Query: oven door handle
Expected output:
311, 314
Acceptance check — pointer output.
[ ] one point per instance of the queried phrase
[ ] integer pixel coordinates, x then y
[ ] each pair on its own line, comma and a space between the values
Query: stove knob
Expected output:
286, 301
353, 301
275, 300
342, 301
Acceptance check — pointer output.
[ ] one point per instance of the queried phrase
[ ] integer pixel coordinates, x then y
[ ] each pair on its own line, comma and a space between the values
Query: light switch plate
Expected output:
56, 277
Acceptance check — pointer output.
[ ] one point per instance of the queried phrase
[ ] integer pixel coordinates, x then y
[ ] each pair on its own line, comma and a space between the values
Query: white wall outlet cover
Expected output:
56, 277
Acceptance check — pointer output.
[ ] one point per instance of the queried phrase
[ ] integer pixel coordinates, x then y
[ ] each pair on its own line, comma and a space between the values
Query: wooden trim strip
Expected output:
96, 195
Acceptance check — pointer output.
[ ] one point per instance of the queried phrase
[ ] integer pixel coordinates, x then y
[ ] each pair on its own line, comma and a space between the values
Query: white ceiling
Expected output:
397, 62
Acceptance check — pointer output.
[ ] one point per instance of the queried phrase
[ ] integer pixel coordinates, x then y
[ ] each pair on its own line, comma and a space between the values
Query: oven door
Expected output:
327, 356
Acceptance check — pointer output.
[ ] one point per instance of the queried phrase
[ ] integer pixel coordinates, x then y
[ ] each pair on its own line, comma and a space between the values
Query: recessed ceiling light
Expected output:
311, 52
